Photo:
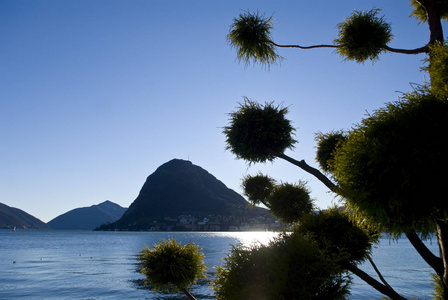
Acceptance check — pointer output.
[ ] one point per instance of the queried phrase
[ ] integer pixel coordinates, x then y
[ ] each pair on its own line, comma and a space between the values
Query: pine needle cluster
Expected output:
257, 133
363, 36
250, 35
172, 267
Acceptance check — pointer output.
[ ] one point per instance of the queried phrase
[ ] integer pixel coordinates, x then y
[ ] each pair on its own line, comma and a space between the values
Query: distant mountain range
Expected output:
88, 218
11, 217
177, 196
182, 196
84, 218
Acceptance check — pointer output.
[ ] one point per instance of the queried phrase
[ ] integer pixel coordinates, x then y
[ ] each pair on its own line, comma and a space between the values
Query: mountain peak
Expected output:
108, 205
177, 161
88, 218
176, 188
175, 164
107, 202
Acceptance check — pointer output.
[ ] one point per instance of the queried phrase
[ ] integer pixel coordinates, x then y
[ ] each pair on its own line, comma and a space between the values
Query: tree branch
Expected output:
304, 166
442, 233
432, 260
385, 290
187, 293
423, 49
303, 47
434, 20
378, 272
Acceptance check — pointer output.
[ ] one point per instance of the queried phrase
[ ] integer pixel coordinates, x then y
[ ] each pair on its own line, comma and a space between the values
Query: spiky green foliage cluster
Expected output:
250, 35
421, 15
289, 267
289, 202
258, 188
437, 283
392, 166
419, 12
326, 147
286, 201
437, 67
362, 36
257, 133
333, 231
171, 266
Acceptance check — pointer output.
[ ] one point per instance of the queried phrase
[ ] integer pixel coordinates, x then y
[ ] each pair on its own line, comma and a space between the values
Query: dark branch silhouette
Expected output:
423, 49
313, 171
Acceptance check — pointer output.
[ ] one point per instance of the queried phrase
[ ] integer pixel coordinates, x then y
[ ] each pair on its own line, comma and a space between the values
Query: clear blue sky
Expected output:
95, 95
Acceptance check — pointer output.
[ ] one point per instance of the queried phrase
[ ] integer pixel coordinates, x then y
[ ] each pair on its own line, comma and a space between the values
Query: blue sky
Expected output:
95, 95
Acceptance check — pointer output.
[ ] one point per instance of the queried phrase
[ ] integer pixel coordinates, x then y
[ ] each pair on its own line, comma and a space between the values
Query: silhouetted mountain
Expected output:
11, 217
179, 188
88, 218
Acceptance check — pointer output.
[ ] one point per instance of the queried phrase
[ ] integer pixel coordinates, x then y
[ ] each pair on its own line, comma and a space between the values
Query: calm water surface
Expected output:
37, 264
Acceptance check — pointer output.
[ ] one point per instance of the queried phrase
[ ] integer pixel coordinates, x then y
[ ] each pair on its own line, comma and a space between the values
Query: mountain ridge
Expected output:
11, 217
88, 218
180, 188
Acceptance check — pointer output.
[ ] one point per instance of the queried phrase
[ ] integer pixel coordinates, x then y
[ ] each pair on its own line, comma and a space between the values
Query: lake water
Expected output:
45, 264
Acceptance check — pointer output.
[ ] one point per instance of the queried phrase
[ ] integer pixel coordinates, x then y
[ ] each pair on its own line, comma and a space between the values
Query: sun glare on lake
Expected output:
250, 237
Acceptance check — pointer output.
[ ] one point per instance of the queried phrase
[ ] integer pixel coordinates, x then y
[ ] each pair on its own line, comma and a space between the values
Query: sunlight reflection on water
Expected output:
103, 265
248, 238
